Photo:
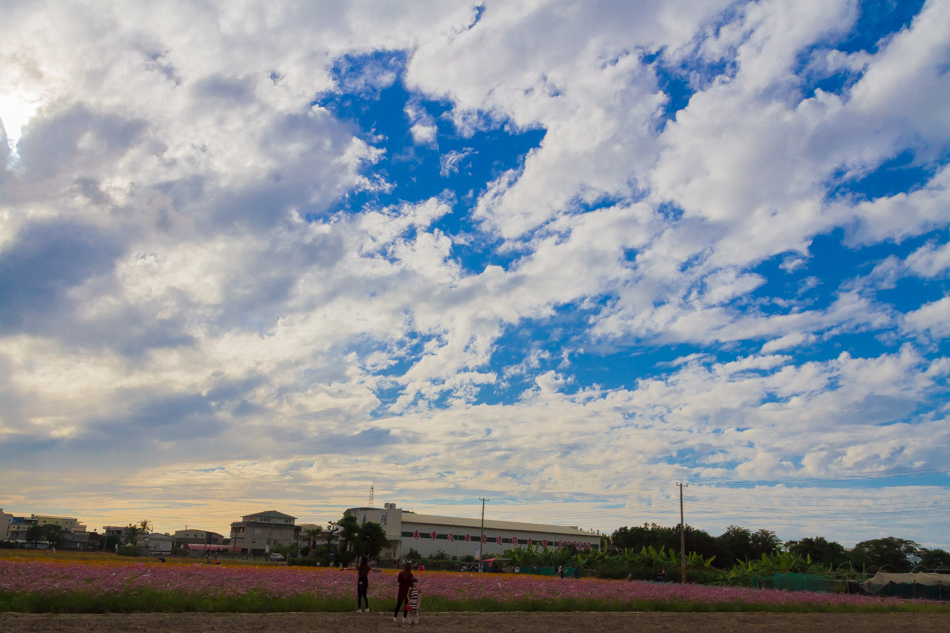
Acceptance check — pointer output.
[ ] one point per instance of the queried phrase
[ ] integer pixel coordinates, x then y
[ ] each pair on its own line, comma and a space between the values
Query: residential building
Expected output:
154, 544
18, 528
257, 533
68, 524
197, 537
81, 541
429, 534
303, 528
122, 532
5, 521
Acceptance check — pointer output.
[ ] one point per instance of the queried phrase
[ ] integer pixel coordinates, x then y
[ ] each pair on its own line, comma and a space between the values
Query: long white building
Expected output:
429, 534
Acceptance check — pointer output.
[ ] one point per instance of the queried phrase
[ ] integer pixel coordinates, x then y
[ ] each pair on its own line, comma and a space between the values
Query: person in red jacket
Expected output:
404, 579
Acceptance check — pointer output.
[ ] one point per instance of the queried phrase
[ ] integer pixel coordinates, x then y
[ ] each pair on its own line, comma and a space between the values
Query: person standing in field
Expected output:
404, 579
362, 584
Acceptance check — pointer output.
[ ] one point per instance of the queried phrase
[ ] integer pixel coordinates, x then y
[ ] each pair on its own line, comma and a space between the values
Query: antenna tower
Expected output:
371, 491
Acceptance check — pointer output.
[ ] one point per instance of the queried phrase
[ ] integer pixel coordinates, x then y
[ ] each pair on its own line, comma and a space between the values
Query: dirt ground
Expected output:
494, 622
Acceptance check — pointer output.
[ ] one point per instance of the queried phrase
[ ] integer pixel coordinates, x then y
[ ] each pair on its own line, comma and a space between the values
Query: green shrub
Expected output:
303, 562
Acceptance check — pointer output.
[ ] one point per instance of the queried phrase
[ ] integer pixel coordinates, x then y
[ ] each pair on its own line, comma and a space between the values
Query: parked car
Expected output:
276, 557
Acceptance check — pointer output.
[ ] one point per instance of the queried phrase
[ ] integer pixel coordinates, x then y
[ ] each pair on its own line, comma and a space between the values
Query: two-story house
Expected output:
257, 533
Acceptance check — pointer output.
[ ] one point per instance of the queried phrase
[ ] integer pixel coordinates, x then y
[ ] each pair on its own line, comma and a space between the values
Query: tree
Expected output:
735, 544
369, 538
133, 532
349, 527
819, 551
328, 534
109, 542
53, 534
287, 551
34, 534
764, 542
664, 538
649, 535
934, 558
894, 552
373, 538
313, 534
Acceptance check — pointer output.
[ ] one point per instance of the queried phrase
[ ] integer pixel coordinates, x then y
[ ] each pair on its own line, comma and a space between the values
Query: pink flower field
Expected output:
55, 578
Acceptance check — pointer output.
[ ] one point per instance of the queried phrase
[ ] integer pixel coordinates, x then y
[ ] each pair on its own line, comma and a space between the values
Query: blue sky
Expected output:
561, 255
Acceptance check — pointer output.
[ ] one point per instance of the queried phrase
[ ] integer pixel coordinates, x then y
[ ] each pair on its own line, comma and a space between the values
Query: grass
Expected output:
148, 601
108, 557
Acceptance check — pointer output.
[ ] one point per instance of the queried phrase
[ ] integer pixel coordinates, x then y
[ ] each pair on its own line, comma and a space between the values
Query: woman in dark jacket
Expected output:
362, 584
405, 583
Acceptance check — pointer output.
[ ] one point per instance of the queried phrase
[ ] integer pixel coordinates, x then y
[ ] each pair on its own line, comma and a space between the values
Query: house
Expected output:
69, 524
5, 521
18, 528
257, 533
118, 531
154, 544
81, 541
197, 537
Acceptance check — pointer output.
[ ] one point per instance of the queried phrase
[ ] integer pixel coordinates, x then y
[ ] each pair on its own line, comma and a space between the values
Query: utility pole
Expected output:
682, 537
481, 535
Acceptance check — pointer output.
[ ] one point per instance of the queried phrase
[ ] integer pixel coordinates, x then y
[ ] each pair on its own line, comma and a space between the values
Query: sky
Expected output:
559, 255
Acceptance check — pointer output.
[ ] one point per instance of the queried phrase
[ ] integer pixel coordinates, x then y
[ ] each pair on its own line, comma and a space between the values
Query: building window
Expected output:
382, 519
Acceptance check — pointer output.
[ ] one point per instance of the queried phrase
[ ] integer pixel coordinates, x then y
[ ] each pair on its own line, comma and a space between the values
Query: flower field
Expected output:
84, 587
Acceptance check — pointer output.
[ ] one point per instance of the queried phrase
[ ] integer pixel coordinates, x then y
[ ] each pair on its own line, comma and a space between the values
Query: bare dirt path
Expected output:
494, 622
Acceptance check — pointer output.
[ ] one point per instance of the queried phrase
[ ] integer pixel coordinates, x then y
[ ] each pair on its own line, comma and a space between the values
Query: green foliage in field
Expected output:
147, 601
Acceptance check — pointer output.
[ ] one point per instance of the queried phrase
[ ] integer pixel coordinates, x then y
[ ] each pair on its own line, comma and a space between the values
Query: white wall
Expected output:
459, 546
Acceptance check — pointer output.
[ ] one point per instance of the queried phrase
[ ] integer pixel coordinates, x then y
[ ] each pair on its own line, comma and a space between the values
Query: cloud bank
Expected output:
561, 255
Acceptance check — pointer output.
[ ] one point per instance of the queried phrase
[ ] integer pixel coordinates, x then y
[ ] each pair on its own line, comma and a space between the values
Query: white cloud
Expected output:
795, 339
933, 318
450, 162
186, 301
930, 260
423, 130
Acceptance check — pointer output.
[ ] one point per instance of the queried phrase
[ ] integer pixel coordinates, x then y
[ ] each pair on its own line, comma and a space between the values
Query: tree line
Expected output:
738, 544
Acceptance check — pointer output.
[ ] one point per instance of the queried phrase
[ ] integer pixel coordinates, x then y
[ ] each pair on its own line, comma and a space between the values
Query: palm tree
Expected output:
133, 533
330, 532
313, 534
